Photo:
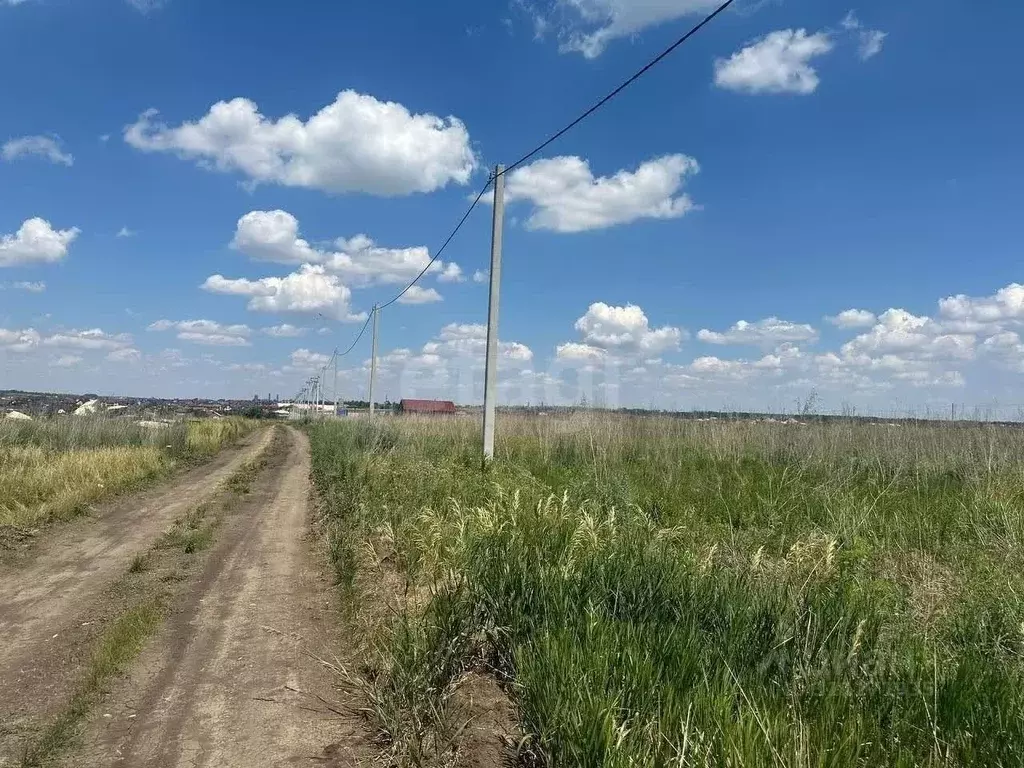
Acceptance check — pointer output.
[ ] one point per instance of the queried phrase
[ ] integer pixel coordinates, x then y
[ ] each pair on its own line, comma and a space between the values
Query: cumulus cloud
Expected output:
310, 290
36, 242
469, 342
787, 356
48, 147
359, 261
452, 273
853, 318
355, 144
91, 339
285, 331
19, 340
306, 361
127, 355
206, 332
903, 348
480, 276
419, 295
595, 23
764, 333
574, 352
968, 313
780, 62
610, 331
125, 232
568, 198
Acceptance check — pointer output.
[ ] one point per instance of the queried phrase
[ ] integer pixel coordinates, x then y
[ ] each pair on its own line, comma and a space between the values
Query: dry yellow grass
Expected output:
40, 485
53, 469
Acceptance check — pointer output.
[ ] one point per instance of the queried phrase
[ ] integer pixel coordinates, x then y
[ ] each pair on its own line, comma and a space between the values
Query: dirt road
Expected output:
232, 679
48, 594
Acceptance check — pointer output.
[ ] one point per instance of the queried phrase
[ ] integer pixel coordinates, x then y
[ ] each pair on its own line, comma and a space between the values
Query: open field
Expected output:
652, 592
54, 468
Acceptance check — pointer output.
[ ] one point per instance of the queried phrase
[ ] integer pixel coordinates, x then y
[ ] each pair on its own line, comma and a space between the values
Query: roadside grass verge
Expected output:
653, 592
140, 600
54, 469
116, 648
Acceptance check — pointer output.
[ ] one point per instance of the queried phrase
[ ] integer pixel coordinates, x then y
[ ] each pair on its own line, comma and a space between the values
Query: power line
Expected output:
441, 249
639, 73
358, 337
540, 148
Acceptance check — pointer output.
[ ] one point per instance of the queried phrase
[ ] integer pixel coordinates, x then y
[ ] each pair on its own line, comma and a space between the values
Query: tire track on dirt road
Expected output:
233, 679
51, 595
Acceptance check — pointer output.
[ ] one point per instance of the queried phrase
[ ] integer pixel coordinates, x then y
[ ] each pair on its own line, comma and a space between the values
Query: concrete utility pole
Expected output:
336, 411
491, 369
373, 359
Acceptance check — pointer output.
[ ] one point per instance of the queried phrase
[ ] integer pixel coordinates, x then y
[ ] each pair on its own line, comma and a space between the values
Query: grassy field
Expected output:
653, 592
52, 469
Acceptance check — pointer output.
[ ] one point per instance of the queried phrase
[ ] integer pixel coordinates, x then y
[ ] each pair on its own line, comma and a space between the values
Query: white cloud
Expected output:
20, 340
310, 290
66, 361
870, 41
780, 62
452, 273
246, 367
623, 331
127, 355
786, 356
469, 341
125, 232
764, 333
206, 332
91, 339
901, 342
361, 262
37, 287
35, 241
574, 352
594, 23
975, 313
356, 144
480, 276
306, 361
274, 236
853, 318
41, 146
568, 198
419, 295
285, 331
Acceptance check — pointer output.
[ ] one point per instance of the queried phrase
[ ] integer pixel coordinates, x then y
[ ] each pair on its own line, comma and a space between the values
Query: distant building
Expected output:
427, 407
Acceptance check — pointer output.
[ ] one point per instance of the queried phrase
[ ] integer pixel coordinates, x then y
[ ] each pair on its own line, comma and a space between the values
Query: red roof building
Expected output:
428, 407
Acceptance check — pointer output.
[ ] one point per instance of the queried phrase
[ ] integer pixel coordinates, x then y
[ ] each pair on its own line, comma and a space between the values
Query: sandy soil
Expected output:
234, 678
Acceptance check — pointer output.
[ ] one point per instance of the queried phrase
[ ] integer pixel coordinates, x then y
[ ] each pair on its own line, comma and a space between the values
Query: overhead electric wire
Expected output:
541, 147
636, 76
352, 346
441, 249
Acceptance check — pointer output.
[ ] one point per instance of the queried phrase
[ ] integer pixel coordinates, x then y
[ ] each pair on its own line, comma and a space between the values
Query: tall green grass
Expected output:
658, 592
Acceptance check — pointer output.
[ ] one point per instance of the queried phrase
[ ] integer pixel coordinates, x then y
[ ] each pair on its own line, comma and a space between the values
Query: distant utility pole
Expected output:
336, 382
491, 369
373, 359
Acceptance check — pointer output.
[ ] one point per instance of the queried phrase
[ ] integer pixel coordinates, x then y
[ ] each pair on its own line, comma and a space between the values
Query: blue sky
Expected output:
793, 161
